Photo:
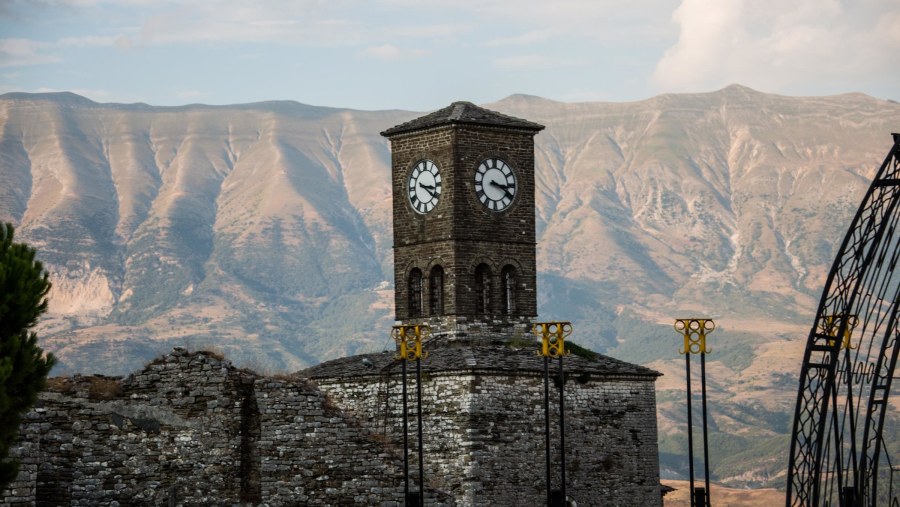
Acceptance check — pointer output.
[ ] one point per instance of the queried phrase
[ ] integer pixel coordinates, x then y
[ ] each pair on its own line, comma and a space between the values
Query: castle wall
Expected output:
484, 434
311, 453
191, 429
170, 431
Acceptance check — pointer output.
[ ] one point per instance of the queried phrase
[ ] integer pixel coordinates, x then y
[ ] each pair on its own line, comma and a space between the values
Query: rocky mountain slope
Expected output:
263, 231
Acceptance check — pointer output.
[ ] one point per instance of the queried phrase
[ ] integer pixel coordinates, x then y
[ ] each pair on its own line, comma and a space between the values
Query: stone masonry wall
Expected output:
484, 439
312, 454
191, 429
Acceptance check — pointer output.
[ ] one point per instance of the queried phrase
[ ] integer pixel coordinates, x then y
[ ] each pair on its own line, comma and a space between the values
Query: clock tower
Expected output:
464, 228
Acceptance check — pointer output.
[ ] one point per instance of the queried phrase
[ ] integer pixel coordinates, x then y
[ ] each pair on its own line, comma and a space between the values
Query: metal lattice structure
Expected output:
844, 427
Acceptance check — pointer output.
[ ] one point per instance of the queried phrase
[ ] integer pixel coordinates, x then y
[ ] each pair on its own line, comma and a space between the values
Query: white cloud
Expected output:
536, 62
26, 52
606, 20
113, 3
389, 52
776, 46
189, 95
231, 21
23, 52
90, 41
522, 62
385, 52
530, 37
347, 22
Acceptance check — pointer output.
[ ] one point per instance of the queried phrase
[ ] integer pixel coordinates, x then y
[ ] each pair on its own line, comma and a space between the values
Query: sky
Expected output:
421, 55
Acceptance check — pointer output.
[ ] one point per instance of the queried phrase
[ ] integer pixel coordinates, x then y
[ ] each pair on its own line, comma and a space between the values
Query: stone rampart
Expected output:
191, 429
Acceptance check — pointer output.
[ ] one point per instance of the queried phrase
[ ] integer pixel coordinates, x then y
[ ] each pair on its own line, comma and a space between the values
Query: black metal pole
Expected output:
562, 429
705, 440
405, 440
419, 415
700, 497
687, 369
547, 421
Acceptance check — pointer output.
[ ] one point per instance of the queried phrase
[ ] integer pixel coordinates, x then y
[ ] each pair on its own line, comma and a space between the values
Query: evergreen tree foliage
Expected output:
23, 366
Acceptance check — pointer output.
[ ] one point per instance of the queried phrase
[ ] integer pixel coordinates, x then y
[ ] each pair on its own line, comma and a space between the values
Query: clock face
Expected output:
424, 188
495, 184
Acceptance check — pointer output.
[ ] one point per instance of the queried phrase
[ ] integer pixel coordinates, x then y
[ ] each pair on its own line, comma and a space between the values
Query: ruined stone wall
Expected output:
483, 434
190, 429
312, 454
167, 432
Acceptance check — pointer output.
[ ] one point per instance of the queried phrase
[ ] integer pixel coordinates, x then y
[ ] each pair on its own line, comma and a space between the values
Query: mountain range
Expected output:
263, 231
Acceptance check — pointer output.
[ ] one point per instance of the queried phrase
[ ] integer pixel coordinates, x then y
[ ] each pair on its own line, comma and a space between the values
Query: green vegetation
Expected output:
733, 348
643, 342
729, 456
159, 272
578, 350
580, 302
24, 285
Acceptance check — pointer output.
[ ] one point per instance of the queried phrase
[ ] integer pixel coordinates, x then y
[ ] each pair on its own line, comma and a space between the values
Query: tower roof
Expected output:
465, 113
481, 358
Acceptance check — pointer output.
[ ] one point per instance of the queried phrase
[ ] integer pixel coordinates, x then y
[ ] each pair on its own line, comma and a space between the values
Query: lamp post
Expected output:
409, 346
694, 332
553, 345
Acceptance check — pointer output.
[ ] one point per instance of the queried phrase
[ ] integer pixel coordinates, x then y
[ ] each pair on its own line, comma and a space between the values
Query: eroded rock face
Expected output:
83, 291
162, 223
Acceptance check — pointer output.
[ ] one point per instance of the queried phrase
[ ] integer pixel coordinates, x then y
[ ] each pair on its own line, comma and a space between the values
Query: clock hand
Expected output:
428, 188
504, 187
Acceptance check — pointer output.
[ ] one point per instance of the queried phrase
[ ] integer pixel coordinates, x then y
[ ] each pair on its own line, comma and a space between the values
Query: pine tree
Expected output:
23, 366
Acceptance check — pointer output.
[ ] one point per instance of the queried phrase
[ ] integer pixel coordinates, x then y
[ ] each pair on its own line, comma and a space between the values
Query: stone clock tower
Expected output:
464, 230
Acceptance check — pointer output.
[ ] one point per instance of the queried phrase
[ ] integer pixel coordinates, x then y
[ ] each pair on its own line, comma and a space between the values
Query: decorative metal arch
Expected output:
838, 455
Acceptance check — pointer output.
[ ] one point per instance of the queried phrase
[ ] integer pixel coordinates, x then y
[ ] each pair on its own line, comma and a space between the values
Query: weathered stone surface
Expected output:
332, 435
483, 423
193, 429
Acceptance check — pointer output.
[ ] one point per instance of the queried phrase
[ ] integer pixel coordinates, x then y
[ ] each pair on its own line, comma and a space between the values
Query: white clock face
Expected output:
495, 184
424, 187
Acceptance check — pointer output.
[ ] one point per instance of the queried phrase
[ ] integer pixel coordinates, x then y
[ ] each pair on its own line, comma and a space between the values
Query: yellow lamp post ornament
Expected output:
553, 345
694, 332
409, 341
409, 346
553, 337
831, 325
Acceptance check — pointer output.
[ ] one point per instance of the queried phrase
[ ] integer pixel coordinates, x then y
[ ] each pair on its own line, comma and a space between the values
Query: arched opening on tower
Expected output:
436, 290
508, 281
415, 293
483, 289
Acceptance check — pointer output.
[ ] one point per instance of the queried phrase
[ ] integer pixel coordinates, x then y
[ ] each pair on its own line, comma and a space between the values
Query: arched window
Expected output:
508, 283
415, 293
436, 290
483, 289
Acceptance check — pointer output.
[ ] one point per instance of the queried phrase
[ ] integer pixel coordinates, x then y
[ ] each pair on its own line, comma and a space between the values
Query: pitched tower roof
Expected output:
465, 113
